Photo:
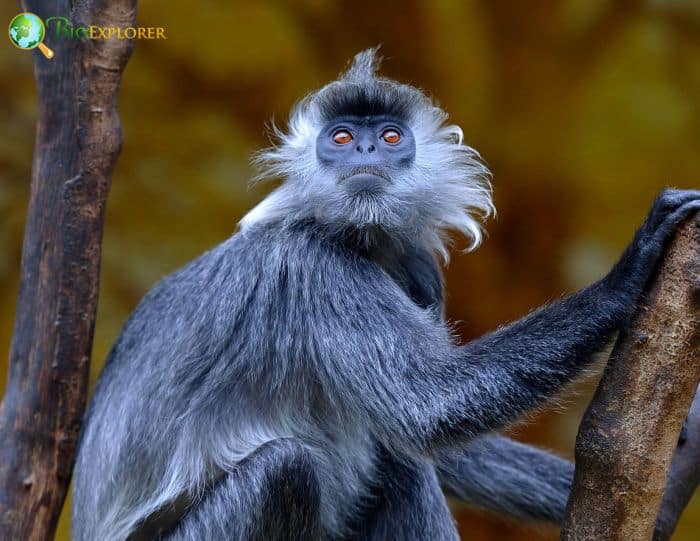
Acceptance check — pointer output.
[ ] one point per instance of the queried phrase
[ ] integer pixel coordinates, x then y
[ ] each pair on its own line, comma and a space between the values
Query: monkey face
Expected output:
366, 155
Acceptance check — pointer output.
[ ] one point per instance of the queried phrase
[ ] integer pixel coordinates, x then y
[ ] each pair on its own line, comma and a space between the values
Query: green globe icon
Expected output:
27, 31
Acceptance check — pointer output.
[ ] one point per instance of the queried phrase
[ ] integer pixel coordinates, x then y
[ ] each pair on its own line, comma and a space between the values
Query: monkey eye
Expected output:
391, 136
342, 137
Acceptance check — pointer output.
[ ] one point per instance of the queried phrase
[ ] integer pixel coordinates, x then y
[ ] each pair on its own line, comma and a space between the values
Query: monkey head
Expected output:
373, 158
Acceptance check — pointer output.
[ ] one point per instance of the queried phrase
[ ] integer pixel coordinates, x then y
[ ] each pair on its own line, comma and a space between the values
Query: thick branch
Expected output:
78, 139
629, 433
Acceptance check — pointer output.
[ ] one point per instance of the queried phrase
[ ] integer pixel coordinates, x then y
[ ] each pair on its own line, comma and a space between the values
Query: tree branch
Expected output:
629, 433
78, 140
683, 478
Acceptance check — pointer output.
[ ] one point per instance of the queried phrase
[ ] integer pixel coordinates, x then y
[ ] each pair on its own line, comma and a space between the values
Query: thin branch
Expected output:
684, 477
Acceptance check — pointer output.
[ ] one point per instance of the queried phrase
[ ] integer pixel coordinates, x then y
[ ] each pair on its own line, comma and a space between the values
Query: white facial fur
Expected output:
446, 189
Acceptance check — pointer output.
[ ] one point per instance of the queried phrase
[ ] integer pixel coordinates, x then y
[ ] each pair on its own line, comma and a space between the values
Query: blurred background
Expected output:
583, 110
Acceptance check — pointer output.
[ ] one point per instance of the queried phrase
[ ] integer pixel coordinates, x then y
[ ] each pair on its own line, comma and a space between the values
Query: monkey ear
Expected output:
364, 66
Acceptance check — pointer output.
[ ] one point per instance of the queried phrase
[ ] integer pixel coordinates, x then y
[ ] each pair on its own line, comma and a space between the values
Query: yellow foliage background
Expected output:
583, 110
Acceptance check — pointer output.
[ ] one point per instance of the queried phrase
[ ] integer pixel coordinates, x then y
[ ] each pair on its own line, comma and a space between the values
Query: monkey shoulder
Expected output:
323, 298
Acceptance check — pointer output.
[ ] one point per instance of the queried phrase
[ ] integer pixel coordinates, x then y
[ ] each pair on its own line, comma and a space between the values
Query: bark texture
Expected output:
78, 139
630, 431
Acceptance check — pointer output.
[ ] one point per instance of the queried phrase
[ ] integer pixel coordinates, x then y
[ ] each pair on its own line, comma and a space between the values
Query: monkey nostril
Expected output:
370, 148
358, 148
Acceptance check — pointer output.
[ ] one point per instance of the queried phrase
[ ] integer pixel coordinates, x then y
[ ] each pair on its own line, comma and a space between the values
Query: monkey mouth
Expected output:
366, 180
368, 170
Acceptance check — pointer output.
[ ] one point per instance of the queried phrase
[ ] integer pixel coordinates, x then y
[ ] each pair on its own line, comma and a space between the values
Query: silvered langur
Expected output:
299, 381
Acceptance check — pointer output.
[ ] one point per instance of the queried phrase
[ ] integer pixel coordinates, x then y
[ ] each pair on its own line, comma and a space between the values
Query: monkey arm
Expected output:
420, 392
395, 365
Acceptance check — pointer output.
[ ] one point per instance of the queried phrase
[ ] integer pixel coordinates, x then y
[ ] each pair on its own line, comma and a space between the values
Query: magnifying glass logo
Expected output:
27, 31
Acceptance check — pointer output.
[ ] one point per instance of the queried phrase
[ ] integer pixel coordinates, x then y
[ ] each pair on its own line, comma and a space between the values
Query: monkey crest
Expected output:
416, 187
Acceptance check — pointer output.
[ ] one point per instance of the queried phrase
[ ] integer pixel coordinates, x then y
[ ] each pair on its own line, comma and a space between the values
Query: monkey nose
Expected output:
368, 148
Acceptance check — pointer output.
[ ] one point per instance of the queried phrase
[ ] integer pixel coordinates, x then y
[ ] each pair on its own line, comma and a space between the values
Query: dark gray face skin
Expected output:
365, 153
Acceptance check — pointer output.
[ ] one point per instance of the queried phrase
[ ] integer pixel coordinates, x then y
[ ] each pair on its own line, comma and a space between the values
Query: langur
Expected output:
299, 381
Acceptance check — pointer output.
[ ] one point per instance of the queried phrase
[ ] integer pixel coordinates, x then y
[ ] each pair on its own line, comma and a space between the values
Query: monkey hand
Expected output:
630, 276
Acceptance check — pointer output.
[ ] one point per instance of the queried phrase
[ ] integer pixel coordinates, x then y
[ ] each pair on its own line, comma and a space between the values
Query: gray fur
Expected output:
363, 67
508, 477
294, 383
